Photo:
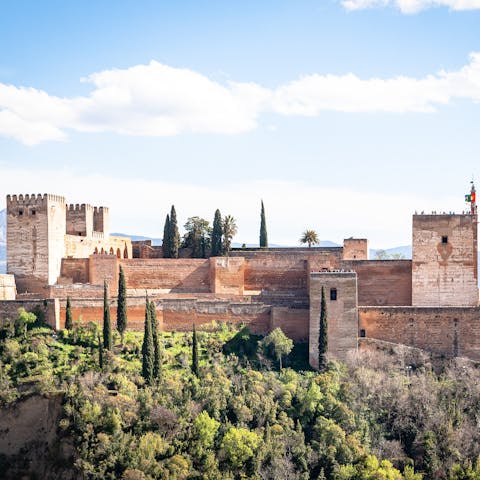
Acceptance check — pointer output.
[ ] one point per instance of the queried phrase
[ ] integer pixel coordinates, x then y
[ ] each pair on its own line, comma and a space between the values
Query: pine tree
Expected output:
121, 304
68, 316
157, 347
166, 238
107, 325
263, 229
147, 347
217, 234
174, 237
195, 352
323, 333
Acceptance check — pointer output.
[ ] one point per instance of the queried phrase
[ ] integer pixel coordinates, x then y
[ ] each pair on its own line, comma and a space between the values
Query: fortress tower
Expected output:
36, 226
444, 259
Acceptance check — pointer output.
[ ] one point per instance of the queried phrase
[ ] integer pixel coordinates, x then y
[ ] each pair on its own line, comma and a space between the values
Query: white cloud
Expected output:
411, 6
335, 213
159, 100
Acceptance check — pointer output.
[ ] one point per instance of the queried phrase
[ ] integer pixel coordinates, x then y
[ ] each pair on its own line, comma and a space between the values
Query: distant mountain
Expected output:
3, 227
404, 252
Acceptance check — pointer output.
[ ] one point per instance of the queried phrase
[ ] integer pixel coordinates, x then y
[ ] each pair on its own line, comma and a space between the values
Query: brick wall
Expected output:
8, 290
74, 270
382, 282
449, 330
355, 249
188, 275
50, 308
293, 322
227, 275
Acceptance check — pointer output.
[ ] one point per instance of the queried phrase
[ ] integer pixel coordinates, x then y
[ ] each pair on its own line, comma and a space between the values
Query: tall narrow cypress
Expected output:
263, 228
68, 315
217, 234
121, 304
174, 238
166, 238
100, 352
107, 325
195, 352
147, 347
157, 347
323, 333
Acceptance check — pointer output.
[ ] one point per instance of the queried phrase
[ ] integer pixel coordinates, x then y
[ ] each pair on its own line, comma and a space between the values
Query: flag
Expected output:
468, 198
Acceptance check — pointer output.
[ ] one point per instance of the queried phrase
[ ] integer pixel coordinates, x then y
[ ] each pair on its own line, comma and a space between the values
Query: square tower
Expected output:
444, 260
36, 226
342, 313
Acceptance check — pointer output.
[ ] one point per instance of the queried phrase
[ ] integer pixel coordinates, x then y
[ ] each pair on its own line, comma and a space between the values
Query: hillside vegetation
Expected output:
241, 417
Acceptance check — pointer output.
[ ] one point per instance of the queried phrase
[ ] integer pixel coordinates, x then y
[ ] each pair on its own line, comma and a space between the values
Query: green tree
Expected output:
157, 346
24, 319
309, 237
279, 343
239, 445
195, 362
323, 333
148, 349
174, 236
197, 236
166, 238
68, 315
217, 233
263, 228
107, 325
121, 304
206, 429
229, 230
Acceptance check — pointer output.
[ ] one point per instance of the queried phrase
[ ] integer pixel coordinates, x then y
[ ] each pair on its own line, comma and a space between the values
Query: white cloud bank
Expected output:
159, 100
412, 6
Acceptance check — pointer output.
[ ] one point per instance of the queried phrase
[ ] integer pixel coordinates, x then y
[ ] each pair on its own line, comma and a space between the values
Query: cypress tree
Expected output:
166, 238
157, 348
195, 352
147, 347
323, 333
100, 352
68, 316
174, 237
217, 234
121, 304
107, 325
263, 229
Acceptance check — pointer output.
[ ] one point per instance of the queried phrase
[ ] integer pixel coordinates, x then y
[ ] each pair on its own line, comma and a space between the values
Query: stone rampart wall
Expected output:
382, 282
451, 331
50, 309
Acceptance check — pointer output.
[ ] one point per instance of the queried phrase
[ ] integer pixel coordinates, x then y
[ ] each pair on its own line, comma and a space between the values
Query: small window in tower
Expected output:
444, 239
34, 212
333, 294
363, 333
20, 212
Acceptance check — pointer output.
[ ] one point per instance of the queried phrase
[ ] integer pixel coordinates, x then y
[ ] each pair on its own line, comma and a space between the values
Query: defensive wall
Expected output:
450, 331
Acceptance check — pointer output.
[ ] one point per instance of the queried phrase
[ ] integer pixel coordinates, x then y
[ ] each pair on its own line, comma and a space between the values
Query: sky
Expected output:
343, 116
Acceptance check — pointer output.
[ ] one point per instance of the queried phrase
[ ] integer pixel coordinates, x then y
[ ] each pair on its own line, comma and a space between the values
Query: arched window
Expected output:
102, 250
125, 252
119, 253
111, 251
96, 250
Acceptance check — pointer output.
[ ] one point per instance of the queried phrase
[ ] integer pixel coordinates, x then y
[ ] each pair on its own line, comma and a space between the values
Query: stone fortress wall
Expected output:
57, 251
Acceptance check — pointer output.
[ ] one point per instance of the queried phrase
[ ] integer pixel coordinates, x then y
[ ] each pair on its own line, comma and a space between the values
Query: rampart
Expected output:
451, 331
50, 309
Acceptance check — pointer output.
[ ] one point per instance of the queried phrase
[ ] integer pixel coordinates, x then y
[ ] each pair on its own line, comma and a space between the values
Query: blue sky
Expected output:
344, 117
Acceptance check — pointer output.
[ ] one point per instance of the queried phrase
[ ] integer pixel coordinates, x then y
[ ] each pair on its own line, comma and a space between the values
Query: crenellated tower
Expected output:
36, 226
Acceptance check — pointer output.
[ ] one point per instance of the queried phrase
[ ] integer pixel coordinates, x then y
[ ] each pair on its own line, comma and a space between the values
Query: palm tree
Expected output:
309, 237
229, 228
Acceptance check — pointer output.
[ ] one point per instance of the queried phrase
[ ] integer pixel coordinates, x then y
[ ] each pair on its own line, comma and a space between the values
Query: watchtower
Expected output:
444, 258
36, 226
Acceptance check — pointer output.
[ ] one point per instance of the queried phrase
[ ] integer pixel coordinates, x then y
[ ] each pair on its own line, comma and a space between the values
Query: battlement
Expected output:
75, 207
34, 198
98, 210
